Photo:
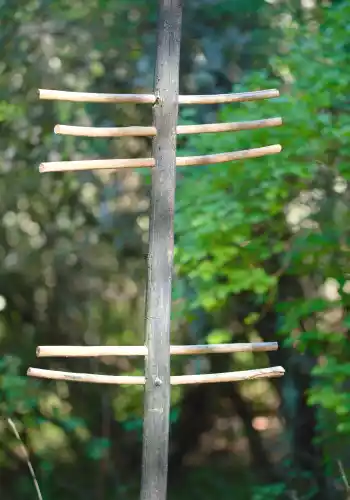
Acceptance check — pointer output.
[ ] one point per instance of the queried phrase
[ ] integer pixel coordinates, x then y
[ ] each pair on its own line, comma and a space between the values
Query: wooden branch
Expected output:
208, 378
181, 161
226, 98
89, 351
209, 128
151, 131
66, 166
105, 131
102, 351
61, 95
214, 378
85, 377
185, 161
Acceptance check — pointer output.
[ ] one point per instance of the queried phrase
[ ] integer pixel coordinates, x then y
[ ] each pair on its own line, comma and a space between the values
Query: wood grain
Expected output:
160, 255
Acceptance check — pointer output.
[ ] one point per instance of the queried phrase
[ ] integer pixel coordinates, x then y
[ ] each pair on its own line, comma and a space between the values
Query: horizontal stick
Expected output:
181, 161
226, 157
226, 98
60, 95
89, 351
101, 351
105, 131
210, 378
151, 131
213, 378
209, 128
224, 348
86, 377
67, 166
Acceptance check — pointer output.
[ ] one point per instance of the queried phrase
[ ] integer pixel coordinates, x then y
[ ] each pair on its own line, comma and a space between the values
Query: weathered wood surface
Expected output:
160, 258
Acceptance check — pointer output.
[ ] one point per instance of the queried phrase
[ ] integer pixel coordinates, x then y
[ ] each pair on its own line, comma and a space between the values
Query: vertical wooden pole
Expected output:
160, 258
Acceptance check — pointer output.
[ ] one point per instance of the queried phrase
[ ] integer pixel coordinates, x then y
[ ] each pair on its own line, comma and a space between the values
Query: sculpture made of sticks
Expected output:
157, 348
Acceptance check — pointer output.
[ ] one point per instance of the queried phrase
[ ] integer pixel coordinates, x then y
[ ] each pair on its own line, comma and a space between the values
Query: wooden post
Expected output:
160, 257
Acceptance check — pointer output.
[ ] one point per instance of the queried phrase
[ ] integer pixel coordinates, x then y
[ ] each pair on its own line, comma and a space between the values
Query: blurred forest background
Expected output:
262, 250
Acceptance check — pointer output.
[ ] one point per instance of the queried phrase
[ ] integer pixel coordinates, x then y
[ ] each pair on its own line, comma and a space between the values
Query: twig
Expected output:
206, 128
344, 478
26, 455
209, 378
86, 377
213, 378
79, 131
225, 98
181, 161
101, 351
61, 95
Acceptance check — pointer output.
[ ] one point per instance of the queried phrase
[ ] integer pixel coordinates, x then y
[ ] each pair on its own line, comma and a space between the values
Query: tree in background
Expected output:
266, 245
255, 247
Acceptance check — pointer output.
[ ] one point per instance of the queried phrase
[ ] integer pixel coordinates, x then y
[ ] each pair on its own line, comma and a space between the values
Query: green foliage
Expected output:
245, 228
270, 492
233, 221
73, 247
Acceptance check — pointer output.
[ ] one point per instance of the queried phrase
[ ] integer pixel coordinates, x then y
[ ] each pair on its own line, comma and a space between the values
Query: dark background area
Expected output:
262, 251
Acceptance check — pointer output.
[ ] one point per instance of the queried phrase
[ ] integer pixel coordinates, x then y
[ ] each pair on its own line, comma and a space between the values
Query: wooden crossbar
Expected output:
135, 131
62, 95
208, 378
181, 161
102, 351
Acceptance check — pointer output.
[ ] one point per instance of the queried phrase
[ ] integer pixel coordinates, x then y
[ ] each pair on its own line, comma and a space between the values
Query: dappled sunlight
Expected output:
261, 251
